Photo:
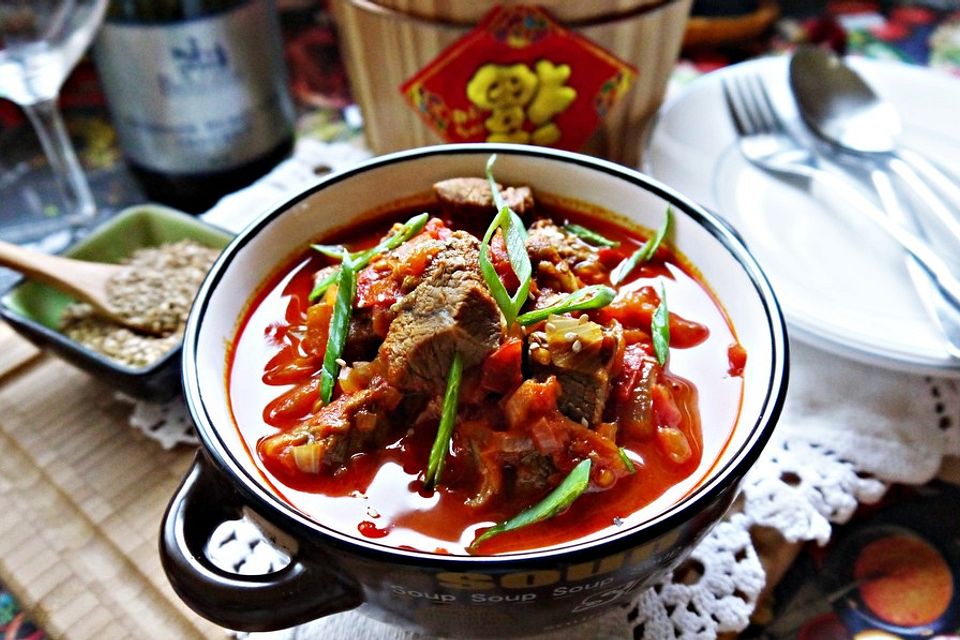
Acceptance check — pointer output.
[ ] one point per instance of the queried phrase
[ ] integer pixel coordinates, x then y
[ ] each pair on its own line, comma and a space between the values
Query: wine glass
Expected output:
40, 43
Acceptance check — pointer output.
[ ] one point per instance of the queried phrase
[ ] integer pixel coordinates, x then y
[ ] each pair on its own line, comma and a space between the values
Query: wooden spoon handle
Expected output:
83, 280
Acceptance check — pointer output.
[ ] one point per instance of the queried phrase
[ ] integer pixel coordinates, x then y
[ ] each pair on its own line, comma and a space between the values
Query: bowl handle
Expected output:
307, 588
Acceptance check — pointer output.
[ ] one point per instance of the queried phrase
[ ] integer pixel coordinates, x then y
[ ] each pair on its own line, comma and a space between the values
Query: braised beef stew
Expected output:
561, 423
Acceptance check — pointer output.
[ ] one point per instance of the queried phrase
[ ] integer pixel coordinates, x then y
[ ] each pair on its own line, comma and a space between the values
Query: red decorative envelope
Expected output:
519, 77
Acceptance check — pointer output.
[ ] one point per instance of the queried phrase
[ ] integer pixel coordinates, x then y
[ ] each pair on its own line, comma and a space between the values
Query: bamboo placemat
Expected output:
15, 352
81, 497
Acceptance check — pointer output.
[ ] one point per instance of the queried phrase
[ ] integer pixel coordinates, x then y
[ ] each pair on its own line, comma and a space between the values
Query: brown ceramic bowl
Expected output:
506, 595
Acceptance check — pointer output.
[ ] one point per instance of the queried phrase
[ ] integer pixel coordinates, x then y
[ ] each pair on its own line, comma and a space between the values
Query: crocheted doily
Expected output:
847, 431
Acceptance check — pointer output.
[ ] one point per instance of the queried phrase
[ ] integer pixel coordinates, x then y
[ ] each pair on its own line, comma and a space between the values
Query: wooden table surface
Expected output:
81, 498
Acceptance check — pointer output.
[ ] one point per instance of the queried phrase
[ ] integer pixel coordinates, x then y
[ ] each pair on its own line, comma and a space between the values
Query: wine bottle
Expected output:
197, 91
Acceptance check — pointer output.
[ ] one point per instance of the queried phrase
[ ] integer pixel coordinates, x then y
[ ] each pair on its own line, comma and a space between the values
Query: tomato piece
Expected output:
610, 257
608, 465
665, 409
437, 229
292, 405
737, 357
631, 393
291, 370
633, 359
686, 333
501, 262
377, 286
634, 310
416, 263
547, 437
501, 370
314, 341
531, 399
674, 444
607, 430
275, 450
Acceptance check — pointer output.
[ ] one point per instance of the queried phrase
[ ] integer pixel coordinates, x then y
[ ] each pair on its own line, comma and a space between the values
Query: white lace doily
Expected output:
848, 430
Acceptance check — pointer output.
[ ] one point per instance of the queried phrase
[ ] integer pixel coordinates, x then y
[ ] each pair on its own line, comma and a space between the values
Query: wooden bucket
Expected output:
386, 42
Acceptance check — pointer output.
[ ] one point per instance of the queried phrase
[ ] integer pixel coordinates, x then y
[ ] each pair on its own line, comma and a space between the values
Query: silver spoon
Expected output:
840, 107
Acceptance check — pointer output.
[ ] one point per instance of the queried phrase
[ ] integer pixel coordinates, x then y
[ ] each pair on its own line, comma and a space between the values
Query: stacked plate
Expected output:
841, 282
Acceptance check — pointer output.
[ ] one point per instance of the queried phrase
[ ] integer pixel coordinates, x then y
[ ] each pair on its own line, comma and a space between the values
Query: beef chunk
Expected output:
449, 311
354, 422
584, 372
584, 394
533, 472
350, 424
362, 340
391, 274
472, 197
563, 262
547, 241
380, 285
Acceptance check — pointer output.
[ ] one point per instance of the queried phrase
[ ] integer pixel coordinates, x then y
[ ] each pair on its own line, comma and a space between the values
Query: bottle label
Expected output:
203, 95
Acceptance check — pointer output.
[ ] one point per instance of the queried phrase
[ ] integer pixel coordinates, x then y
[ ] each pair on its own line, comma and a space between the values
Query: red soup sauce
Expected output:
377, 493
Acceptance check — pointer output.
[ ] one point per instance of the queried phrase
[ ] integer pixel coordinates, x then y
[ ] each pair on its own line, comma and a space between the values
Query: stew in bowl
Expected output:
463, 373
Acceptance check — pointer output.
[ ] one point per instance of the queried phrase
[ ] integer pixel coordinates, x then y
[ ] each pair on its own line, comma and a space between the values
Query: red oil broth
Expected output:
386, 482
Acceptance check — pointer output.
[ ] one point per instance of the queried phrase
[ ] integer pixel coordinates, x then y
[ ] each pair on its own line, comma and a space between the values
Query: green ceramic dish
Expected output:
34, 310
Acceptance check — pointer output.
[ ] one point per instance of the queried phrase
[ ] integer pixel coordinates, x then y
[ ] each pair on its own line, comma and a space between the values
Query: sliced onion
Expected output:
545, 437
574, 343
674, 444
308, 457
514, 443
365, 421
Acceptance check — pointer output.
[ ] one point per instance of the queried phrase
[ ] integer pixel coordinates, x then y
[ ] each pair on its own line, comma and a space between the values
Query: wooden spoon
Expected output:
83, 280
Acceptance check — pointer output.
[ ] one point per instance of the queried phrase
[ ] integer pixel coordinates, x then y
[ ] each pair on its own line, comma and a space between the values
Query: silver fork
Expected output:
765, 142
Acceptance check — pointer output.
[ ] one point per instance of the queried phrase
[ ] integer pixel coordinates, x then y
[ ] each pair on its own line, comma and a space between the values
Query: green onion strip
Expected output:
554, 503
590, 236
361, 259
339, 325
593, 297
514, 236
660, 328
448, 417
627, 462
644, 253
498, 200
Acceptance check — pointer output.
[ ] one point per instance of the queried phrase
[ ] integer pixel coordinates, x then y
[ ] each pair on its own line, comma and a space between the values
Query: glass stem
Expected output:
71, 180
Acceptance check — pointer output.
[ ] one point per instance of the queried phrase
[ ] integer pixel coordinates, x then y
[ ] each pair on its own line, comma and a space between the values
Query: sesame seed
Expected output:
155, 291
569, 336
576, 346
341, 362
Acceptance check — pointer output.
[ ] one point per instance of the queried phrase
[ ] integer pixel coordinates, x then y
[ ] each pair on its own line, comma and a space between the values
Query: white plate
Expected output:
841, 282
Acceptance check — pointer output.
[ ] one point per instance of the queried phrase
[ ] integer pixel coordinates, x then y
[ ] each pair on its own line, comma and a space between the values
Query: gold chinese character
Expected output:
515, 94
